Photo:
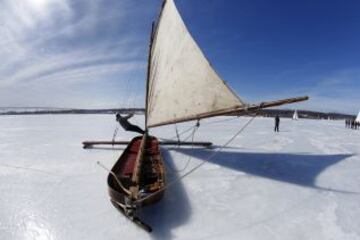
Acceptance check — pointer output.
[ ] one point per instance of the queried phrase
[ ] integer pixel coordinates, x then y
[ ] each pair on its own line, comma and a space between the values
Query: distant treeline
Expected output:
75, 111
286, 113
283, 113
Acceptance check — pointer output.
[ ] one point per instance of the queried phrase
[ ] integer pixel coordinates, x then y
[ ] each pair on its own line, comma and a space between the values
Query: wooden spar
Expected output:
240, 110
87, 144
140, 157
276, 103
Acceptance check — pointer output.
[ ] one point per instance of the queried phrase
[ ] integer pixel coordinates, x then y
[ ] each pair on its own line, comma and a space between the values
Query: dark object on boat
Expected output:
133, 183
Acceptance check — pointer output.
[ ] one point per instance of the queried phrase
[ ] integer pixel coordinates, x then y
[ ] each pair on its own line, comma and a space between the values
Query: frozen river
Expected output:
301, 183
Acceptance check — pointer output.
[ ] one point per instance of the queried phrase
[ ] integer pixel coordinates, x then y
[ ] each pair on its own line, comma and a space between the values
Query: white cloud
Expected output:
52, 50
335, 92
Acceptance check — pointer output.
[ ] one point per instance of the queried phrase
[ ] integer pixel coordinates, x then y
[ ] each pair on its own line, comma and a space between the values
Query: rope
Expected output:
183, 132
206, 123
115, 134
116, 178
177, 133
129, 86
199, 165
195, 128
192, 148
220, 121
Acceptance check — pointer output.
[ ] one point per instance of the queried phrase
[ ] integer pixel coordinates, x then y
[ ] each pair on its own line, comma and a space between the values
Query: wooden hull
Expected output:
151, 177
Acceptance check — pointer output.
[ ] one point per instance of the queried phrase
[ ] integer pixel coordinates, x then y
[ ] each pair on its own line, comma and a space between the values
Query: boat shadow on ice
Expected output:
173, 210
298, 169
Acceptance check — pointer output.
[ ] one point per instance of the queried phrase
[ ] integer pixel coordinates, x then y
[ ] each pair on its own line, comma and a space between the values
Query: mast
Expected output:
140, 157
148, 74
153, 33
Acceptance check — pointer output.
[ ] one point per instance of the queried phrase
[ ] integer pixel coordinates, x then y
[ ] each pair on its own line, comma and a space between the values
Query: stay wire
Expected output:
220, 121
115, 134
199, 165
206, 123
183, 132
195, 128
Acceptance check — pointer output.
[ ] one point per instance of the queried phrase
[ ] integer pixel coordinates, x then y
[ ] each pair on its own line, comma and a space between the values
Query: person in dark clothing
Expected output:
123, 121
277, 123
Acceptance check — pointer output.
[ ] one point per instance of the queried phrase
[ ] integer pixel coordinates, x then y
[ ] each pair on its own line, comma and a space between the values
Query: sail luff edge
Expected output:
154, 30
148, 75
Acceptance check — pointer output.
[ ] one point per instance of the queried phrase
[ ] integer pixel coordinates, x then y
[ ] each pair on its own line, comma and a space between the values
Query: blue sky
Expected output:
90, 54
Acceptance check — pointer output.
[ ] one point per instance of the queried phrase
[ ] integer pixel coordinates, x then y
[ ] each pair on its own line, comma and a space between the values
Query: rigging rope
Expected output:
115, 133
183, 132
129, 91
114, 175
177, 133
206, 123
195, 128
199, 165
220, 121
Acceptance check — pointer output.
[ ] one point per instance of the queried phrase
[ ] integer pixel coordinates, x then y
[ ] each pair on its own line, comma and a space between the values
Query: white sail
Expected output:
182, 83
358, 118
295, 116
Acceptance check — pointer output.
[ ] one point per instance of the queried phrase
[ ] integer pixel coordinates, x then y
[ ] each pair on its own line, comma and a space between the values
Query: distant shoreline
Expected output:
283, 113
72, 111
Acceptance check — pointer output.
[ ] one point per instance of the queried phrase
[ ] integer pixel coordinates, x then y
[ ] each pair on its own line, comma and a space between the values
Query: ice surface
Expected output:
301, 183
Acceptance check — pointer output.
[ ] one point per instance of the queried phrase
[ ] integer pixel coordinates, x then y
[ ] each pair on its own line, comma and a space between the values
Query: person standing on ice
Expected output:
123, 121
277, 123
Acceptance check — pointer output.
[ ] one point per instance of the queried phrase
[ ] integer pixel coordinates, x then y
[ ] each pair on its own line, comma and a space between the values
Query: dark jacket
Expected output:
277, 120
124, 120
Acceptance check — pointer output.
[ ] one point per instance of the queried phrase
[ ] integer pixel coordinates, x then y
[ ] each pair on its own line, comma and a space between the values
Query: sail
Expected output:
182, 85
295, 116
358, 118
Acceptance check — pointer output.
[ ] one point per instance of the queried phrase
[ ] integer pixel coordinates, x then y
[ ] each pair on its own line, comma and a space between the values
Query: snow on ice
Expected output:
301, 183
